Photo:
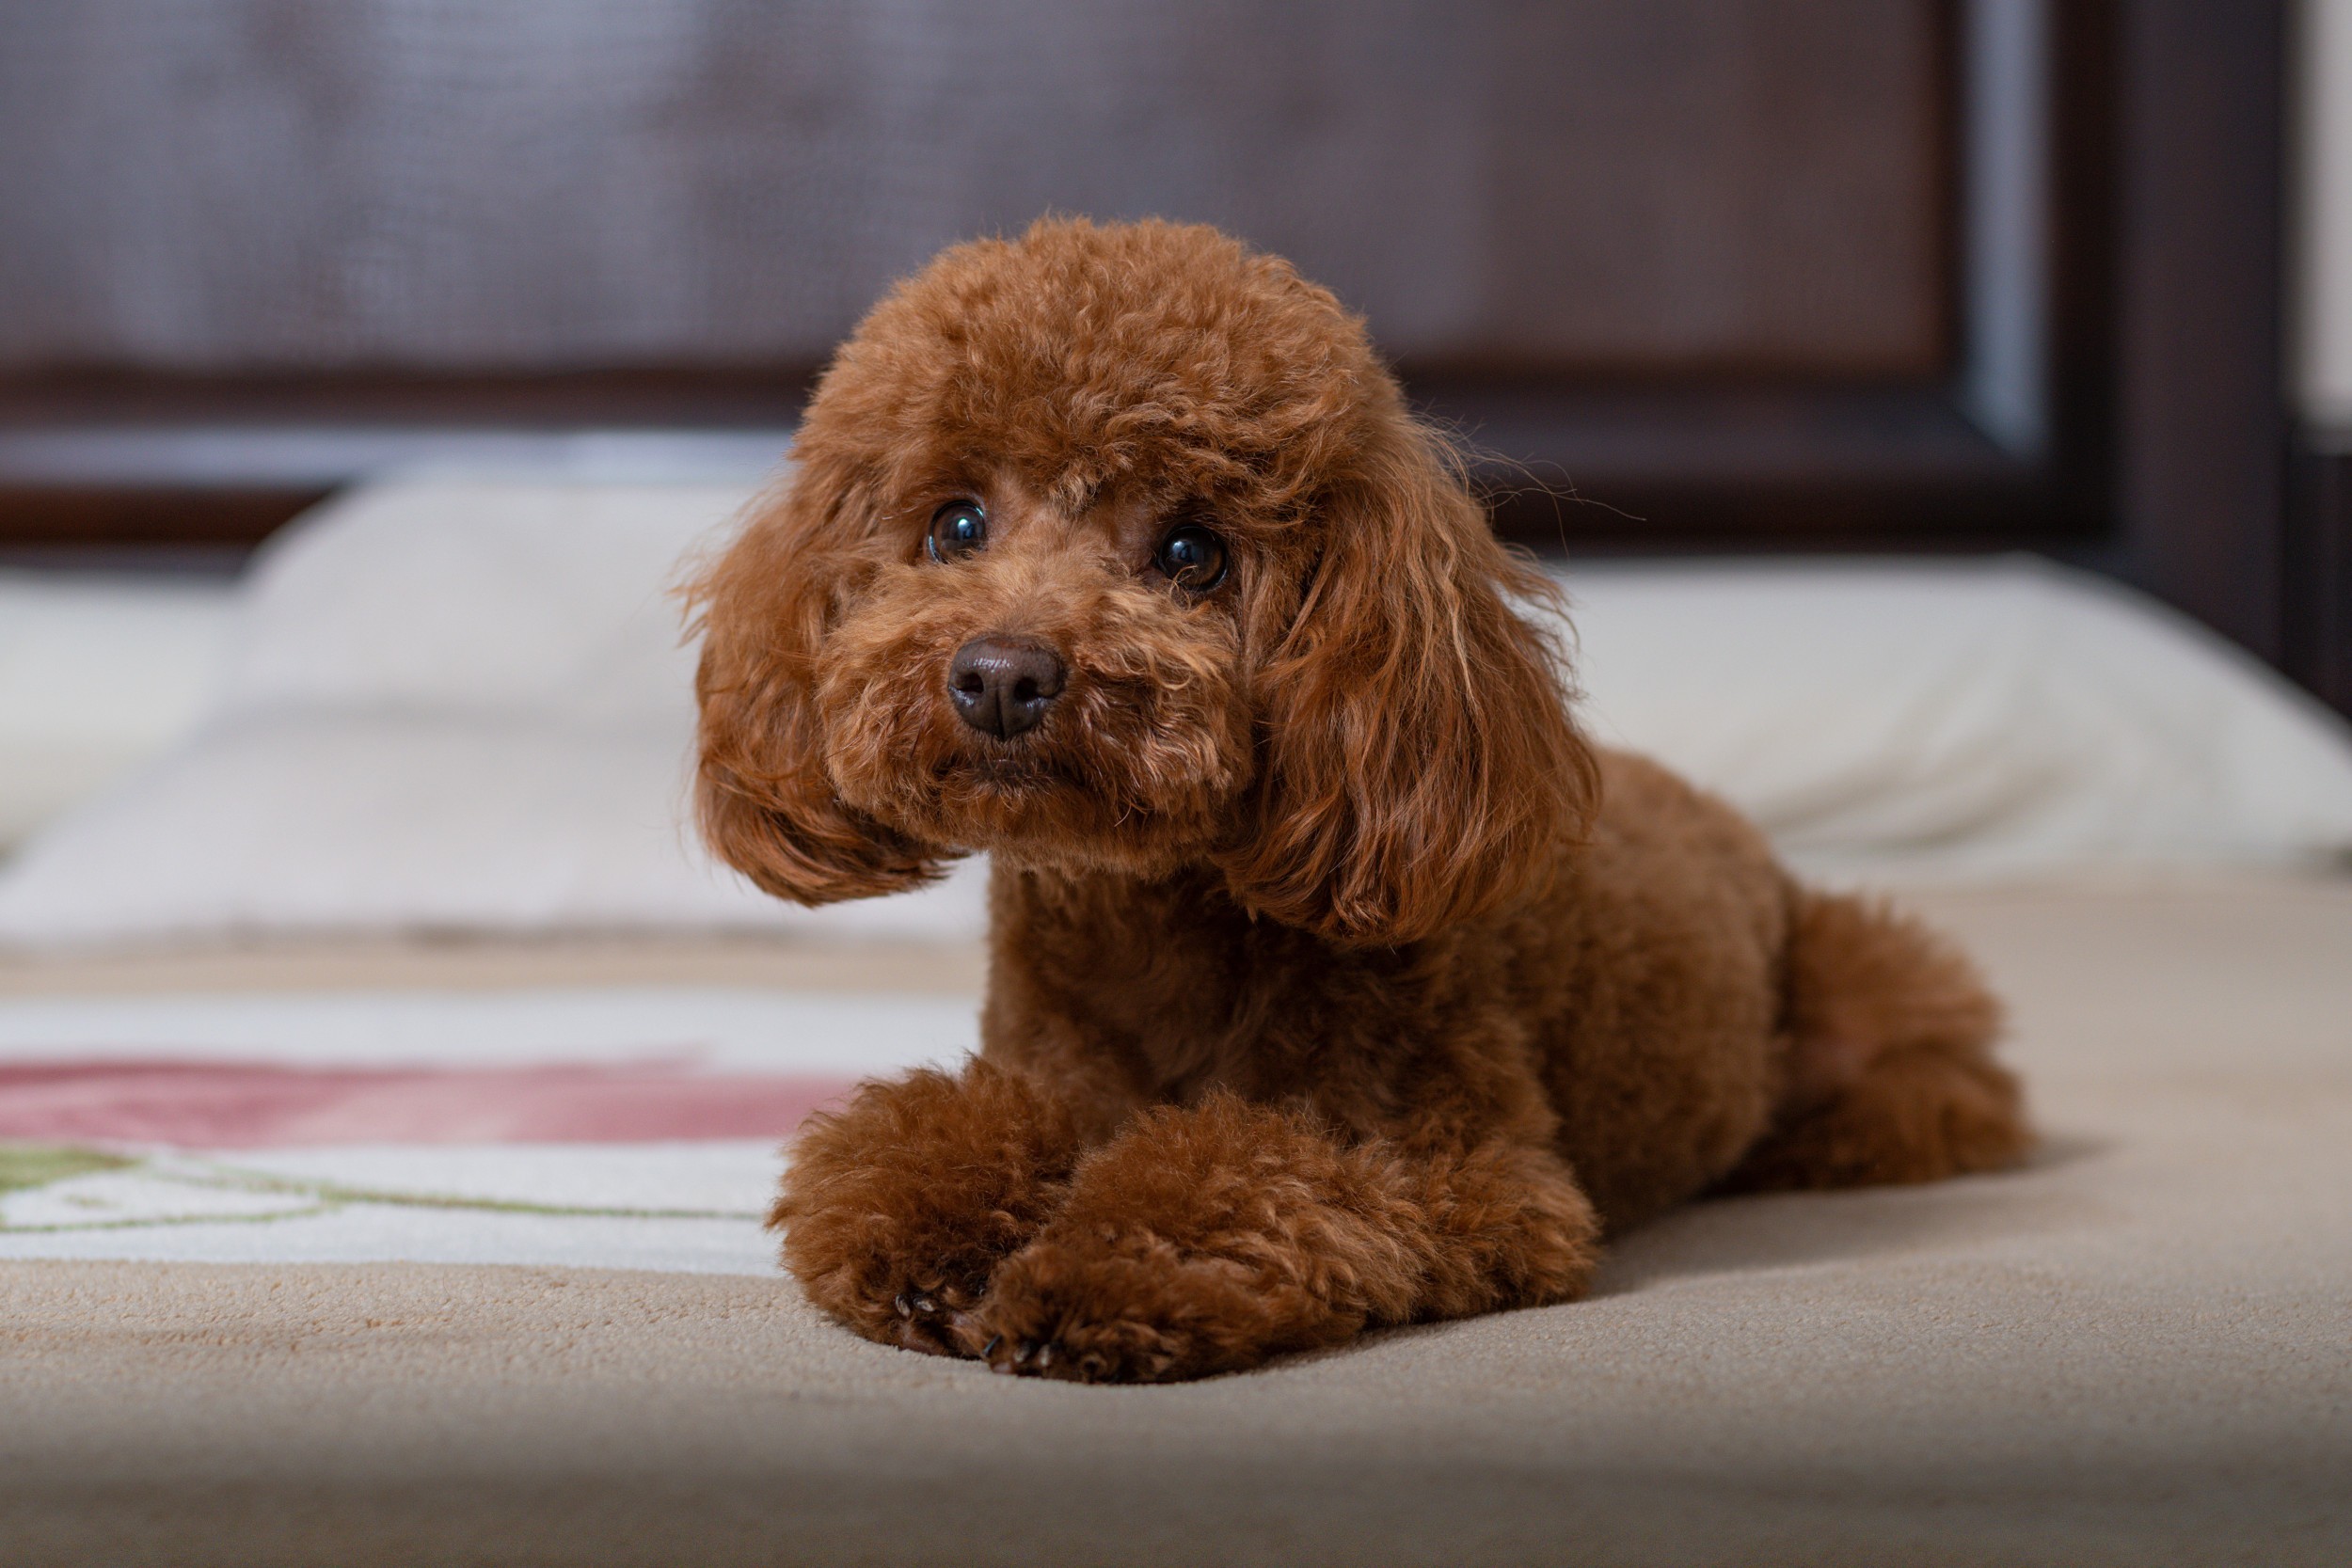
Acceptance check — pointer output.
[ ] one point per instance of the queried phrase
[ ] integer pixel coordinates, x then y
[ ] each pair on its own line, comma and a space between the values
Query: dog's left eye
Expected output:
958, 529
1192, 557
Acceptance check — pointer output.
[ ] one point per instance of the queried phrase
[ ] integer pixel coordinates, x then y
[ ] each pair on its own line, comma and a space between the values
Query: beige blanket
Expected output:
2137, 1352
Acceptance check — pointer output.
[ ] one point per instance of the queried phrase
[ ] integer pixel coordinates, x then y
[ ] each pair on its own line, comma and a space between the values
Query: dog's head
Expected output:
1117, 547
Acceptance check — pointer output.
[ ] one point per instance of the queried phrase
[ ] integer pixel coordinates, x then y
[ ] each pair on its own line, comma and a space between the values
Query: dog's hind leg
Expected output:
1890, 1071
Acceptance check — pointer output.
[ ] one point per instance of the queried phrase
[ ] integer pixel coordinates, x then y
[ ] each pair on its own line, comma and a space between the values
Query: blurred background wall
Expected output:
249, 184
1756, 274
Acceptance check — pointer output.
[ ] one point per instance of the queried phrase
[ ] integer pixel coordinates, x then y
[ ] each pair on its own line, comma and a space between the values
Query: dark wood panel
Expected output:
144, 526
765, 396
1589, 186
2201, 436
2319, 569
1730, 187
2106, 379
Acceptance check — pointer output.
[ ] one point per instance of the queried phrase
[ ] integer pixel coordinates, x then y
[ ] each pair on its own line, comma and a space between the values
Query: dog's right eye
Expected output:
958, 529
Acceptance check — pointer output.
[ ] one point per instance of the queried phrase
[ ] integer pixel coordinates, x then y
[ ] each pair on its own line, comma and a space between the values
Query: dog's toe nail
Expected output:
1045, 1356
926, 1305
899, 1301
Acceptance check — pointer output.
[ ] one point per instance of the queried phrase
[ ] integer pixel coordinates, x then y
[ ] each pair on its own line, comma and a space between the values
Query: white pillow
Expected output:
1962, 719
452, 707
464, 707
469, 597
96, 674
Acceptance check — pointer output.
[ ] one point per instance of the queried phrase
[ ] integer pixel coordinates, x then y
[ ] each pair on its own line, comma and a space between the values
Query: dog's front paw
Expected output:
1132, 1310
892, 1266
897, 1210
937, 1318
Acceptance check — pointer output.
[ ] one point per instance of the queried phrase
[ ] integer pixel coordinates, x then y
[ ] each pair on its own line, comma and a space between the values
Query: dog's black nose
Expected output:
1001, 687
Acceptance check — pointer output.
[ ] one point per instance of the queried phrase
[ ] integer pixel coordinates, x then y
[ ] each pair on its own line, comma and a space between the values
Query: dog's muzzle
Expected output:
1001, 686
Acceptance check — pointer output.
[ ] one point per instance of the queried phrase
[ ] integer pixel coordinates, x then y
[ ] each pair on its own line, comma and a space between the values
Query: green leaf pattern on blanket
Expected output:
235, 1193
39, 1164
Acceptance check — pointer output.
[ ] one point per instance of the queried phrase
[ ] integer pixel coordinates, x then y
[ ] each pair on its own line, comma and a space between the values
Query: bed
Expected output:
2132, 1352
413, 1178
389, 1093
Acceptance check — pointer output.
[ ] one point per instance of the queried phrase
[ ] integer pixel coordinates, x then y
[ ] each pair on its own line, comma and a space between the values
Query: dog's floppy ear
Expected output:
765, 802
1418, 763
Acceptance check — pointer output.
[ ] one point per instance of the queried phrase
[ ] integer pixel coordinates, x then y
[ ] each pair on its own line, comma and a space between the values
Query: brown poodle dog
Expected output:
1335, 982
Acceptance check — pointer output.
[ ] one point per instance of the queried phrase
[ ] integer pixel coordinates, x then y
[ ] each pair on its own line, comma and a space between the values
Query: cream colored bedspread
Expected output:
2137, 1352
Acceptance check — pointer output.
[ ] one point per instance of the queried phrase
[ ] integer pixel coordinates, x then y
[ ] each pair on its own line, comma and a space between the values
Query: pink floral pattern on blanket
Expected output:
254, 1106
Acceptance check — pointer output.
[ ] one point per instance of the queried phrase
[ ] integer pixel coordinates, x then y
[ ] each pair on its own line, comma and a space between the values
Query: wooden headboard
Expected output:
1890, 275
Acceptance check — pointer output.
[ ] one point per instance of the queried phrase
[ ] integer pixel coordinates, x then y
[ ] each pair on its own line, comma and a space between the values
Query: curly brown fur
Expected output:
897, 1209
1335, 981
1888, 1079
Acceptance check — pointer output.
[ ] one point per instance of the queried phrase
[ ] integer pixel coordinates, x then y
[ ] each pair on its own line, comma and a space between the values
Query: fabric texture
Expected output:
1962, 721
96, 675
2131, 1351
592, 1124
